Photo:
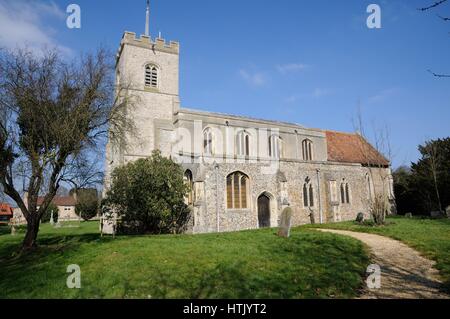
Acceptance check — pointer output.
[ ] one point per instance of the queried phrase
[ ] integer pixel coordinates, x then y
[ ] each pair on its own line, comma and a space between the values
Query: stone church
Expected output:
242, 171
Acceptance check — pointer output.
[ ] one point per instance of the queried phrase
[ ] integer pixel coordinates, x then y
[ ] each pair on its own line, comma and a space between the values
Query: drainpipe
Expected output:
320, 199
216, 166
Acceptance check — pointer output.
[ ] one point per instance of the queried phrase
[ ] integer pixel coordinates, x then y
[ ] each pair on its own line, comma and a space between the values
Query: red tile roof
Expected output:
60, 201
352, 148
6, 210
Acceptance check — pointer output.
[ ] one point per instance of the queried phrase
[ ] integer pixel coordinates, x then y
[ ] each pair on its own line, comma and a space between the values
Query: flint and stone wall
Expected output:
210, 201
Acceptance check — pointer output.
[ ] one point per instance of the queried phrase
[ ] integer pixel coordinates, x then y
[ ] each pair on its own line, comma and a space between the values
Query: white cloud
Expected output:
22, 25
292, 99
292, 67
254, 79
383, 95
317, 93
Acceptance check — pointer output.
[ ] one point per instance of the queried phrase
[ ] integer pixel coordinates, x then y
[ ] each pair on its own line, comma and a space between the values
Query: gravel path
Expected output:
405, 274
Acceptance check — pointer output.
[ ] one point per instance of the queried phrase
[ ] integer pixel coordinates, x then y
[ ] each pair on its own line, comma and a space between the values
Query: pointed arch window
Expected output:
307, 150
243, 144
151, 76
208, 142
345, 193
275, 146
308, 193
237, 191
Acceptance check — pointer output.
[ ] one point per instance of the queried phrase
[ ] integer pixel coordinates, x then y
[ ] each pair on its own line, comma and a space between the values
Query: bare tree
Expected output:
434, 5
434, 162
56, 114
427, 8
377, 159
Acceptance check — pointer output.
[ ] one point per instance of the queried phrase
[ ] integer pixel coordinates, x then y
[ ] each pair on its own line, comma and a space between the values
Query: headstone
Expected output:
447, 210
436, 214
408, 215
285, 224
360, 218
52, 221
109, 224
311, 217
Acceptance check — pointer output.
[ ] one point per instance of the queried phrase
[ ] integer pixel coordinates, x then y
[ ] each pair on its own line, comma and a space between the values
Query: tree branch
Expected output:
434, 5
439, 75
443, 18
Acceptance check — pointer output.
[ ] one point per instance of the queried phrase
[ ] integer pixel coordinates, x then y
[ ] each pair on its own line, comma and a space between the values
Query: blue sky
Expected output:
308, 62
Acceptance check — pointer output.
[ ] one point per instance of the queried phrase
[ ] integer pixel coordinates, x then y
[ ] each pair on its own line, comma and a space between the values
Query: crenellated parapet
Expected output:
157, 44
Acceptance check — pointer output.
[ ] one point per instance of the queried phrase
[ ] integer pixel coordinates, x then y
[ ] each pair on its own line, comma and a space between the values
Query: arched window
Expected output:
237, 191
208, 142
307, 150
308, 193
345, 193
243, 144
188, 180
151, 76
275, 146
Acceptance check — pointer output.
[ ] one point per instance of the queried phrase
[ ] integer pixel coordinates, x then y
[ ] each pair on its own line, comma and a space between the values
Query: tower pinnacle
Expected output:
147, 19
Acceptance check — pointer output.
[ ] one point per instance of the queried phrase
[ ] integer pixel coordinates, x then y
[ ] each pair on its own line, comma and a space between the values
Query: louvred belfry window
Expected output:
151, 76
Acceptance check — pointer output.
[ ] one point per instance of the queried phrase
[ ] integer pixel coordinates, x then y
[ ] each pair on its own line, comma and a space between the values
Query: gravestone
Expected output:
311, 217
360, 218
436, 215
13, 229
408, 215
108, 224
285, 223
52, 221
447, 210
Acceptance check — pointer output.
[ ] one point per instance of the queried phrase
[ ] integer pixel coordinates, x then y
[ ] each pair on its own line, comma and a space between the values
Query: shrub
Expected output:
148, 196
379, 207
52, 208
87, 203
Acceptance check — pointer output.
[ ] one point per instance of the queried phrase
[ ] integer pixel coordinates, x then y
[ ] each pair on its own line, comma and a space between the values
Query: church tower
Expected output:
147, 72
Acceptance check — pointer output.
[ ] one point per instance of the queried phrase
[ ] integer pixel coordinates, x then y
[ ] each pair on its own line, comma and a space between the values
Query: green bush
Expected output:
87, 203
48, 213
148, 196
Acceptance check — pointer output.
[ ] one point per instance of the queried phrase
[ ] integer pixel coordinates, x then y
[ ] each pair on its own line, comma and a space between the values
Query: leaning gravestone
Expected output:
285, 224
447, 210
360, 218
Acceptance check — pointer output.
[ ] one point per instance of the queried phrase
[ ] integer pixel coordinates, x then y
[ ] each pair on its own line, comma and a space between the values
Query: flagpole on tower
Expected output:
147, 19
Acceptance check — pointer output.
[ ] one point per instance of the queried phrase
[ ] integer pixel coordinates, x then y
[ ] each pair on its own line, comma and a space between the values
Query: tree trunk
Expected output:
29, 242
437, 193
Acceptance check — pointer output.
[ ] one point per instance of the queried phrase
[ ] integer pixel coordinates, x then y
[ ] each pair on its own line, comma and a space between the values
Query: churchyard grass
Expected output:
248, 264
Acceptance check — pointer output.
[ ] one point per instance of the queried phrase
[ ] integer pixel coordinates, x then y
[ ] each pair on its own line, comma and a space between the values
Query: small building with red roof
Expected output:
6, 213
